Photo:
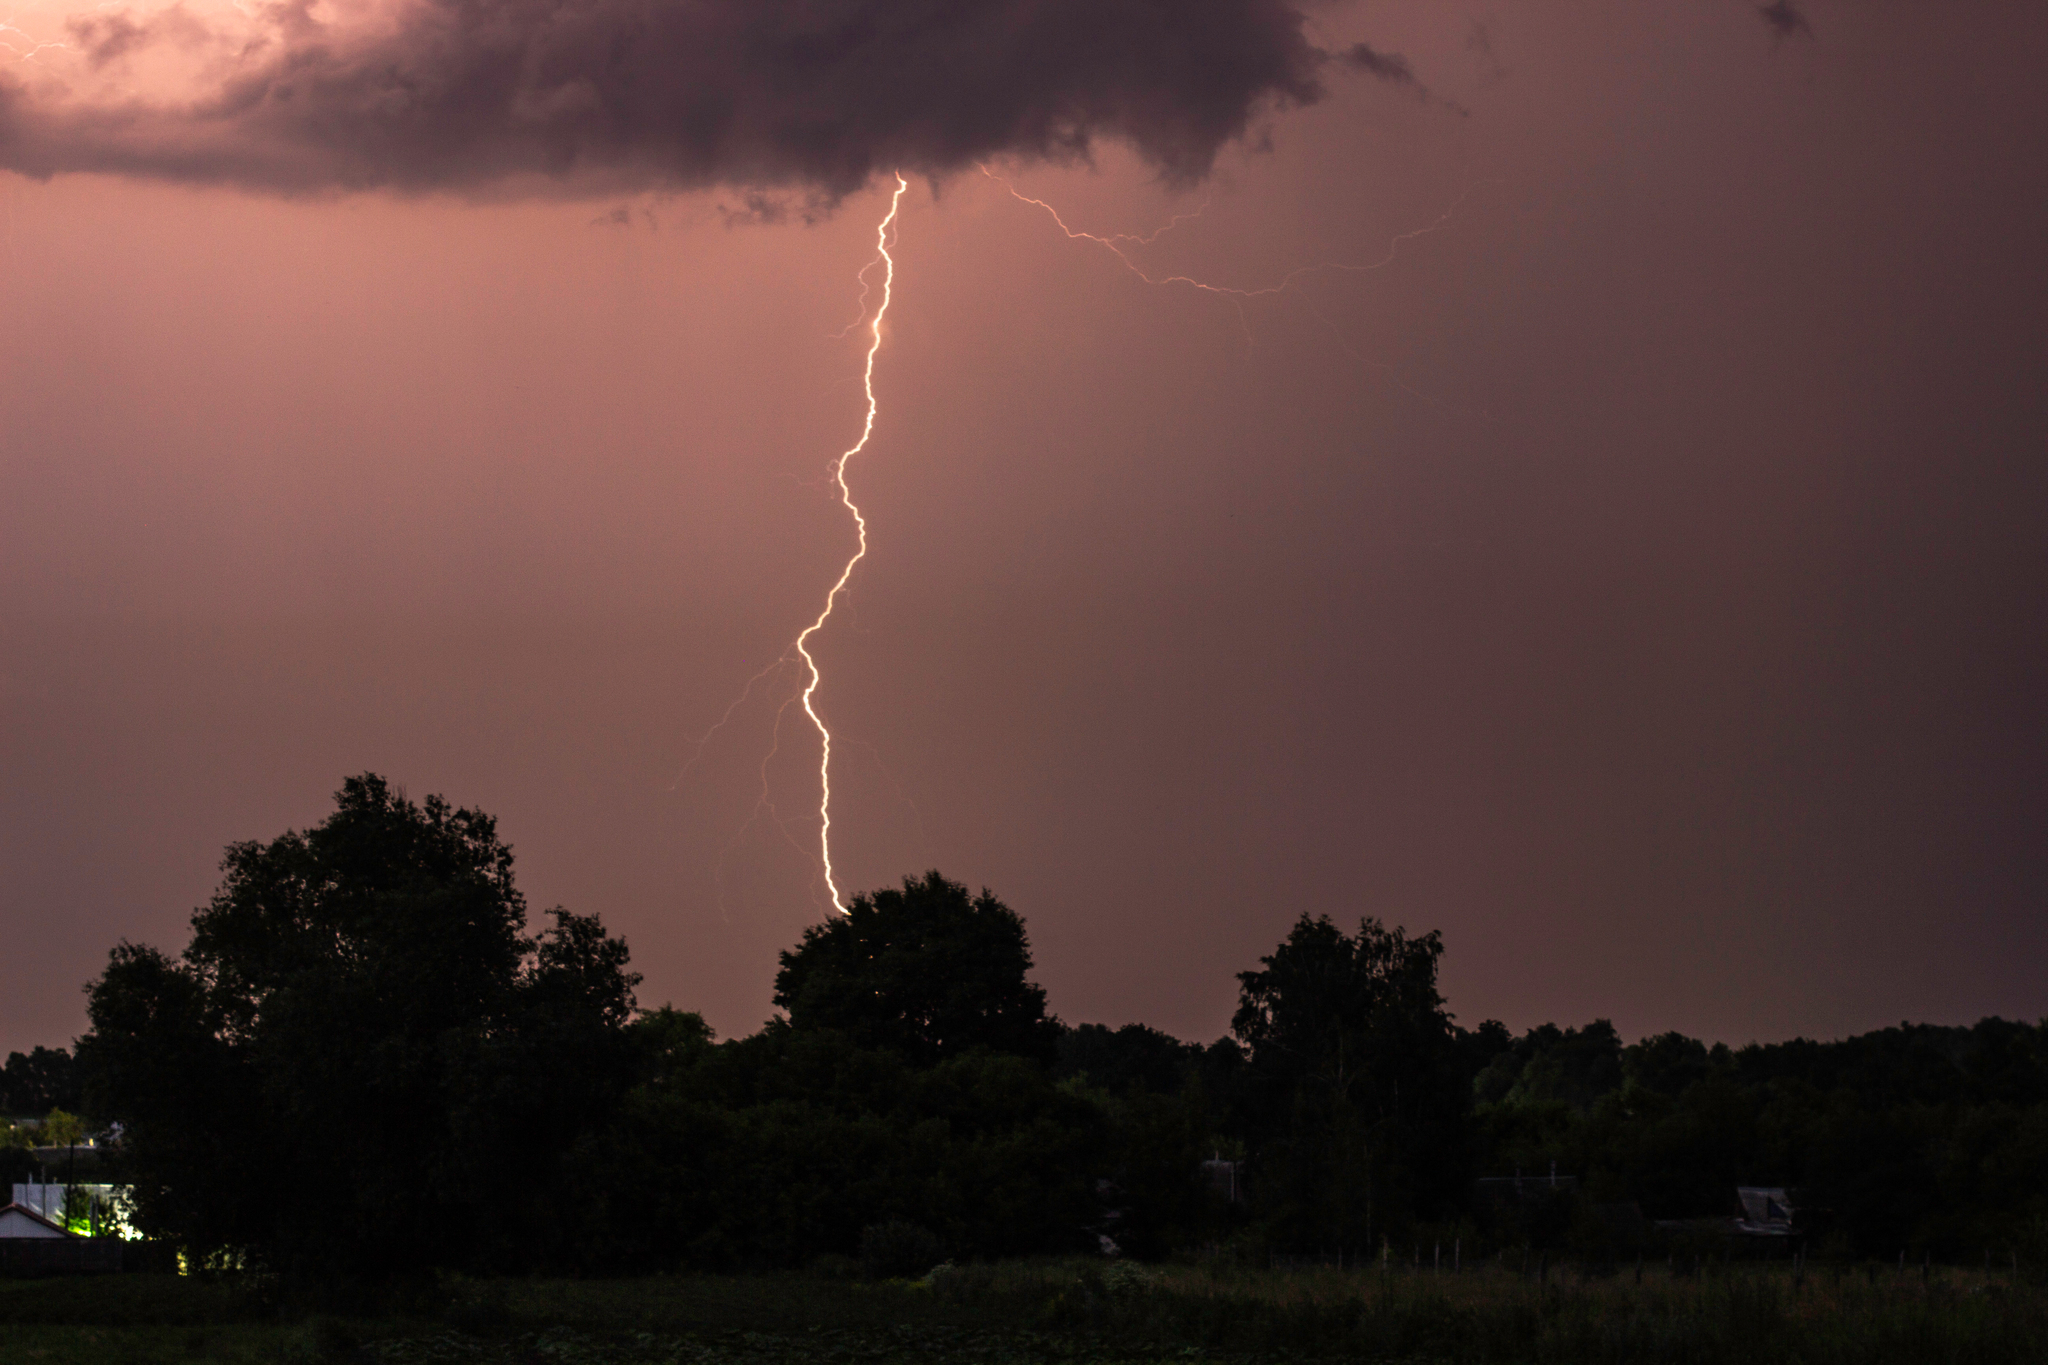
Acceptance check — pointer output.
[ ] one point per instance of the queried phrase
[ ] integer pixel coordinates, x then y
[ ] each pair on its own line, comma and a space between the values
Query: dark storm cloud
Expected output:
1785, 19
107, 39
811, 95
1390, 67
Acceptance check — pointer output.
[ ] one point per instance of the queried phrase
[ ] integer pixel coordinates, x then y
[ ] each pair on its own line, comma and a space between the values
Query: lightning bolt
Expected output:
1285, 285
800, 649
1286, 281
860, 523
34, 49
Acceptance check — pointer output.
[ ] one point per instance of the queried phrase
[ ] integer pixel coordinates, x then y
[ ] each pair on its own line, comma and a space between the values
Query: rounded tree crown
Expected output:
928, 971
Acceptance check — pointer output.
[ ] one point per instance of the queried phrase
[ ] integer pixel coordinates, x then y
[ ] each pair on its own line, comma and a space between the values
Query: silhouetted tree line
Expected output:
1917, 1138
38, 1081
364, 1064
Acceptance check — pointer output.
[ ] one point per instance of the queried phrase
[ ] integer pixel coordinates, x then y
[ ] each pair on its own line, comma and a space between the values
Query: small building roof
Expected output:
1766, 1210
16, 1221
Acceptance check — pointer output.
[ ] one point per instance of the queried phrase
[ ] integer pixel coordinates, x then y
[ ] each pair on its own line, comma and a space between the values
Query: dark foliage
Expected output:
1359, 1120
775, 1149
361, 1063
1128, 1059
363, 1068
37, 1081
1570, 1066
897, 1249
1918, 1138
929, 972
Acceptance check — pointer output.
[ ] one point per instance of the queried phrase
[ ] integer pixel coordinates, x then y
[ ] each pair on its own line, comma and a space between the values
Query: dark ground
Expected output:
1054, 1312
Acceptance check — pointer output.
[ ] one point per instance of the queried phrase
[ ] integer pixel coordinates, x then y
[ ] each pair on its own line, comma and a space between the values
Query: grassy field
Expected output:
1056, 1312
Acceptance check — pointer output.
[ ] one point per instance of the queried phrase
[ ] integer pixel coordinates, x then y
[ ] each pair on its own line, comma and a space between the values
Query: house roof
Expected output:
19, 1211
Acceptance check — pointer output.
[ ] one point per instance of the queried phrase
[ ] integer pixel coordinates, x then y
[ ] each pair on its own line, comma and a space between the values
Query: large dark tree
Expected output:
930, 972
361, 1063
1361, 1092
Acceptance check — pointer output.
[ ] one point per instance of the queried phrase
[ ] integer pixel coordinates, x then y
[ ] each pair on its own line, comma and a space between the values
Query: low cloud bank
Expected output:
809, 96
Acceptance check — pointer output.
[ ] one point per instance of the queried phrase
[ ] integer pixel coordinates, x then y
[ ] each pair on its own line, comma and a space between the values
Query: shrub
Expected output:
898, 1250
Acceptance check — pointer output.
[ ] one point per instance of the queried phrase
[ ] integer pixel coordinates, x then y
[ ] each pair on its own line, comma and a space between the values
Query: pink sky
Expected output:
1640, 577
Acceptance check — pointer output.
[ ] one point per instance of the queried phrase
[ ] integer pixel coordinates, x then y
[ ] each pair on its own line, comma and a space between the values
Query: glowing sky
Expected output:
1640, 578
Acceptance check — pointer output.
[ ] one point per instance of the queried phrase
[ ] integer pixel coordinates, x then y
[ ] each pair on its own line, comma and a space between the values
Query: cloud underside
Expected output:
812, 96
1785, 19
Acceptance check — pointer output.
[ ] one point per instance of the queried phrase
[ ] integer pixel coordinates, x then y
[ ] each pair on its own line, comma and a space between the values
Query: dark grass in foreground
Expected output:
1066, 1312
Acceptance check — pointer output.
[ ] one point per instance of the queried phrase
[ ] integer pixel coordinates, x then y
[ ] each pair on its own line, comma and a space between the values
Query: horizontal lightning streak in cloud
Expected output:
1287, 280
34, 48
1236, 295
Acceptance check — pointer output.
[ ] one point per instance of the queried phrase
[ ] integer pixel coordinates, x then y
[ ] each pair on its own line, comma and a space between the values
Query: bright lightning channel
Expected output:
35, 48
861, 526
1114, 243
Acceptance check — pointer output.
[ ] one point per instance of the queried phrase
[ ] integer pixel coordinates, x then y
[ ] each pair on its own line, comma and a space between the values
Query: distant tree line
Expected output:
365, 1064
1917, 1138
38, 1081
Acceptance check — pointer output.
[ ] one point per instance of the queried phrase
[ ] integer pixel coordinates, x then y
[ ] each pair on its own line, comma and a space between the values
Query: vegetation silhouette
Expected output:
364, 1068
361, 1064
38, 1081
1359, 1119
928, 971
